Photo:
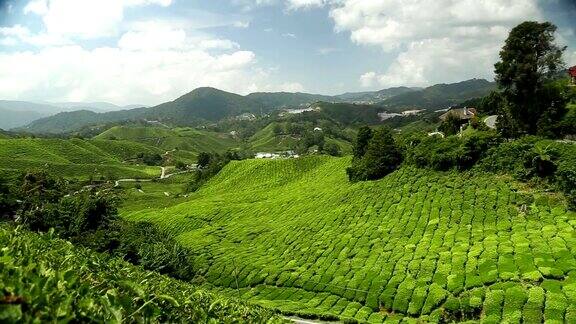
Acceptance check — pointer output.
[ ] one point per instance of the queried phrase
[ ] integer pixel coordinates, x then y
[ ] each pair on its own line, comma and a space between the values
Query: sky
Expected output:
153, 51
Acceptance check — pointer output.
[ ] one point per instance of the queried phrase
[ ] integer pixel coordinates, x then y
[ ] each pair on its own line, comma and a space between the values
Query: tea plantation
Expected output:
75, 158
417, 245
44, 279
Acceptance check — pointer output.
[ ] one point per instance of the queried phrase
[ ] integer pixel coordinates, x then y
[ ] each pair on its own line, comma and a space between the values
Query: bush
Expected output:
451, 152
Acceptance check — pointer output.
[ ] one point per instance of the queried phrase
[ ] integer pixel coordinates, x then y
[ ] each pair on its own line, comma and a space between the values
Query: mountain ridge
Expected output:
208, 104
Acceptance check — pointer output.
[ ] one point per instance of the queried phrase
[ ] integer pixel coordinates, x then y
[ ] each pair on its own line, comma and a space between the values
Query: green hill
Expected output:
44, 279
277, 100
417, 244
374, 96
441, 96
186, 142
202, 104
75, 158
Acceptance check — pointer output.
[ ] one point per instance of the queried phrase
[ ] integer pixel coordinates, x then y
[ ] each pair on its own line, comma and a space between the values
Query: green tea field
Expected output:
187, 142
75, 158
417, 245
44, 279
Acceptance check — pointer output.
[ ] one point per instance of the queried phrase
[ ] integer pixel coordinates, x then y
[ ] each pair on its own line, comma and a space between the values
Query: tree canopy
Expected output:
529, 62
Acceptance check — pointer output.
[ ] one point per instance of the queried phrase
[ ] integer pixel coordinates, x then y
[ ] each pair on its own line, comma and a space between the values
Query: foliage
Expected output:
528, 62
150, 159
533, 158
450, 126
417, 245
381, 156
450, 152
44, 279
441, 96
362, 139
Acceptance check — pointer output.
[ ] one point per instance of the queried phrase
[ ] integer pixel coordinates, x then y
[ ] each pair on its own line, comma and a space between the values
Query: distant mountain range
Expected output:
20, 113
441, 95
211, 105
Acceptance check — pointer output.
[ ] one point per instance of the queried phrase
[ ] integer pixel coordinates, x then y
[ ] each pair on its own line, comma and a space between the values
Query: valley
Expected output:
400, 200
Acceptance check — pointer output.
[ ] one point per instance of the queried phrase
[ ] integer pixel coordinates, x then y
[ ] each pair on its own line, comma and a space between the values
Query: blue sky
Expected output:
151, 51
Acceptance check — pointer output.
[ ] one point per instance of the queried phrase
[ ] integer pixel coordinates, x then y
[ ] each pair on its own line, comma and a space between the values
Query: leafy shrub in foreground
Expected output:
451, 152
44, 279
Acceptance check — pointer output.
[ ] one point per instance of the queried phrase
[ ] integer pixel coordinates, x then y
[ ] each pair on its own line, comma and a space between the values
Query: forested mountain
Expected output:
276, 100
374, 96
16, 118
71, 121
441, 96
212, 105
207, 104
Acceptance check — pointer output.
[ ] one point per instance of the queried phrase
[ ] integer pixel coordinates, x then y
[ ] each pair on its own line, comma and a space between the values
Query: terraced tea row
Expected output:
296, 235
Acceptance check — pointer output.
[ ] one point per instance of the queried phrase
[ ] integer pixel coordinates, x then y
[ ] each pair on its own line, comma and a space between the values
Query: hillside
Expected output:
75, 158
12, 119
374, 96
180, 139
209, 105
44, 279
441, 96
66, 122
202, 104
277, 100
416, 244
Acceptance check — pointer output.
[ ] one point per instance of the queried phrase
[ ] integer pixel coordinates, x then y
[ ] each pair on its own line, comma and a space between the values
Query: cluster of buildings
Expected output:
277, 155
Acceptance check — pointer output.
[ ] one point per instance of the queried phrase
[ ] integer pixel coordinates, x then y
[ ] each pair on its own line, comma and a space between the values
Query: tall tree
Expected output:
362, 139
382, 156
529, 61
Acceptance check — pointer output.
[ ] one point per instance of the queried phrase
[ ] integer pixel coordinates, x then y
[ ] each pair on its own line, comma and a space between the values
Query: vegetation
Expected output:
46, 279
298, 236
375, 155
441, 96
530, 60
450, 126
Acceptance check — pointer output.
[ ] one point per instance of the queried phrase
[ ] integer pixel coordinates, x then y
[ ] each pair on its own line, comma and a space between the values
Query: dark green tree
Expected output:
364, 136
492, 104
451, 125
204, 159
529, 61
382, 157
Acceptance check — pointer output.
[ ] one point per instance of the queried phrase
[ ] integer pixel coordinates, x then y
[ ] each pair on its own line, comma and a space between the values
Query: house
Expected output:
572, 73
464, 114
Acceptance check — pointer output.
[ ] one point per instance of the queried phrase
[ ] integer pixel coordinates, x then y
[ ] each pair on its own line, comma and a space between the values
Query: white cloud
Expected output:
121, 75
304, 4
84, 18
289, 35
14, 35
434, 40
223, 44
39, 7
327, 50
152, 63
153, 36
368, 79
241, 24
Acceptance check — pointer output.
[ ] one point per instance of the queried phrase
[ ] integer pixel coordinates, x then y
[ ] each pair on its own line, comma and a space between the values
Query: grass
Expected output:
418, 244
44, 279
